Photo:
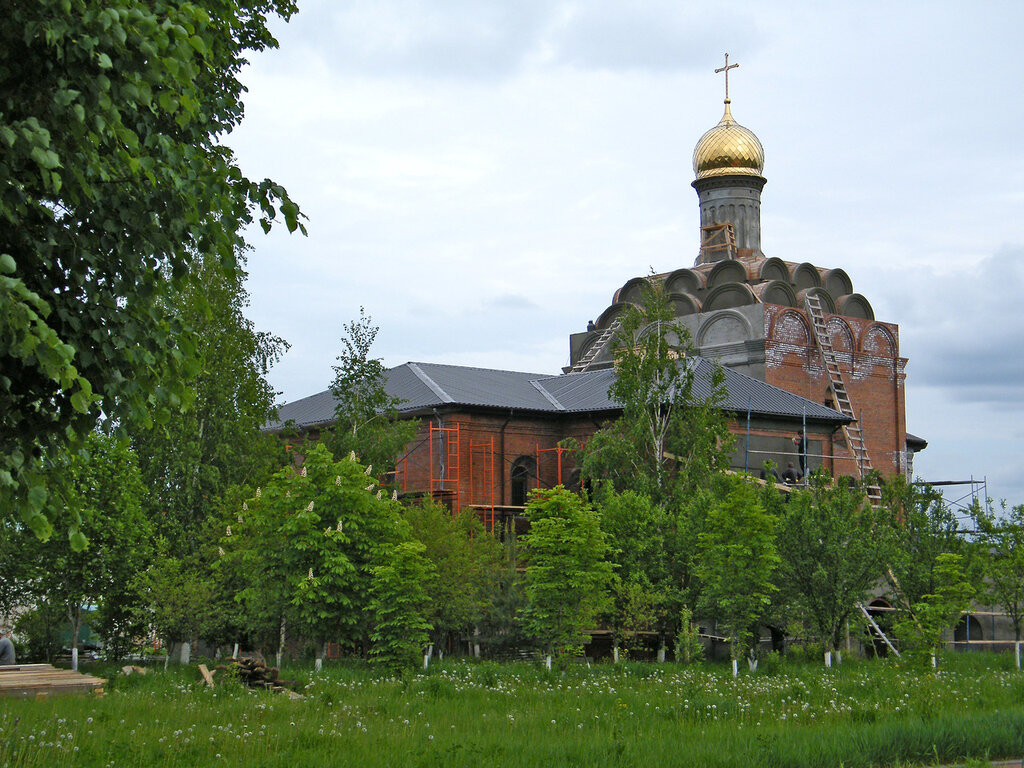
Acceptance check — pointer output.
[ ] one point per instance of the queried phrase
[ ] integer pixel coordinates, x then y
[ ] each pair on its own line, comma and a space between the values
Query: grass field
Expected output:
484, 714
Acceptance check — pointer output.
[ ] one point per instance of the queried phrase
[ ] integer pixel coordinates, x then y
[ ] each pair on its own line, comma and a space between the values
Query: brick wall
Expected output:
868, 355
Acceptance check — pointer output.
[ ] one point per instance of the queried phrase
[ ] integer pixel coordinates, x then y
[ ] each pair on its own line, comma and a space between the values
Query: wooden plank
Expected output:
205, 672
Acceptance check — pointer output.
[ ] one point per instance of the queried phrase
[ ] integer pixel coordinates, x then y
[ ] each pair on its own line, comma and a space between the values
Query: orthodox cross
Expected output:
726, 69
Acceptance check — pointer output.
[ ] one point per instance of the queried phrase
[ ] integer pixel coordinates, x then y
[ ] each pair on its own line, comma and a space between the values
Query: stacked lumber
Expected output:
44, 680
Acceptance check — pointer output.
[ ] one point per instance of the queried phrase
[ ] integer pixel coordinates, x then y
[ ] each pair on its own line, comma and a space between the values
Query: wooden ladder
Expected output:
597, 347
853, 432
877, 630
718, 237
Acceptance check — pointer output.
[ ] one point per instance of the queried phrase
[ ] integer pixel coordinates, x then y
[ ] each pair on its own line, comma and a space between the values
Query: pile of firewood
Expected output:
255, 673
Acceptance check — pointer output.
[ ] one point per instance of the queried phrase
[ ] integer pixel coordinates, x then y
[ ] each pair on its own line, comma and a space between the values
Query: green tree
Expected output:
668, 440
366, 414
467, 564
190, 462
106, 488
834, 548
1002, 545
399, 604
304, 545
567, 573
737, 562
923, 527
921, 628
634, 527
113, 117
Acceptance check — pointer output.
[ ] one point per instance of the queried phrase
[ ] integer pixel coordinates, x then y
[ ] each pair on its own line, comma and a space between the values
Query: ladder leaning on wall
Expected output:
853, 432
599, 345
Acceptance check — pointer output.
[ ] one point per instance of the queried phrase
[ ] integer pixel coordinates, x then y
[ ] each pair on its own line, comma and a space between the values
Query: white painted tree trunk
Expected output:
234, 652
615, 653
828, 659
476, 642
839, 657
1017, 647
185, 652
752, 664
547, 662
280, 643
735, 668
935, 661
74, 659
661, 652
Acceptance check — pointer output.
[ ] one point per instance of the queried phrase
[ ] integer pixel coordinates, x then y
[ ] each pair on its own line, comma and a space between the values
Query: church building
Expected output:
802, 352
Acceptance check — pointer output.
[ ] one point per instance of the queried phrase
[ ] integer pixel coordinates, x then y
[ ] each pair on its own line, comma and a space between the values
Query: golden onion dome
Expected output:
728, 149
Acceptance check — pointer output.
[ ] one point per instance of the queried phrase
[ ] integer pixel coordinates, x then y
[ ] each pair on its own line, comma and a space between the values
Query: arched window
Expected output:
523, 477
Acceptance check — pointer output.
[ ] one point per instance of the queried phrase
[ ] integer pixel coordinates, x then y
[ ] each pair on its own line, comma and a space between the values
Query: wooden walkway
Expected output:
38, 680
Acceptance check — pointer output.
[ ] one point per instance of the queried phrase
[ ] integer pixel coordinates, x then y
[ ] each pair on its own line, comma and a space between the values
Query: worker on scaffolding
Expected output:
801, 450
791, 476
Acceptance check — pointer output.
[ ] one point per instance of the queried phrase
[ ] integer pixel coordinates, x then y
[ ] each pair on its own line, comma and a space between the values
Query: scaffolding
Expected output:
558, 451
717, 238
445, 474
487, 468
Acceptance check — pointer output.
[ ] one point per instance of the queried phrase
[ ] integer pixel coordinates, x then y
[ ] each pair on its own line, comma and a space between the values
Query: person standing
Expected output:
6, 647
801, 450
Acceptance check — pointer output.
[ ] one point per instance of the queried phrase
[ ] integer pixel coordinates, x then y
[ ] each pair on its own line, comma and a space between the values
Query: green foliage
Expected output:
366, 414
634, 527
688, 644
105, 487
467, 563
303, 546
399, 603
567, 573
177, 594
666, 442
112, 124
834, 548
737, 561
923, 528
191, 461
921, 630
1002, 548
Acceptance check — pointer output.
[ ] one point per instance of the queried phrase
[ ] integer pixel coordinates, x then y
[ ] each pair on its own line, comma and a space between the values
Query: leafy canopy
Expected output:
112, 117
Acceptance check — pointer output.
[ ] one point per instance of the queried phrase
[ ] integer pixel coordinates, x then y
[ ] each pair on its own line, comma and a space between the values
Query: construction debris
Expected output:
255, 673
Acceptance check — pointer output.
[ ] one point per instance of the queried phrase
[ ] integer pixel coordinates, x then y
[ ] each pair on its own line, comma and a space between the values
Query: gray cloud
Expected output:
964, 331
653, 36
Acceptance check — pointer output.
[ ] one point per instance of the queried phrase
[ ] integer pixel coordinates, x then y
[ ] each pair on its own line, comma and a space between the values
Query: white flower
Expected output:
245, 505
337, 480
257, 493
310, 507
310, 574
239, 517
229, 531
394, 495
339, 525
302, 471
368, 470
379, 494
220, 551
369, 487
351, 455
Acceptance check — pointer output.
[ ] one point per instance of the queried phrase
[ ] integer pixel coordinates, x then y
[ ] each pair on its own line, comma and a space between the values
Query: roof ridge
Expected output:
478, 368
431, 384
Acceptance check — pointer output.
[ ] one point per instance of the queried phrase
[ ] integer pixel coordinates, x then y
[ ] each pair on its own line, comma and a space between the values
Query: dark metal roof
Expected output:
915, 443
431, 385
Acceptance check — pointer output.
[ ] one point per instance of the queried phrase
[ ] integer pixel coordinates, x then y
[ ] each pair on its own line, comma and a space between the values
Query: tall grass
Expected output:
460, 713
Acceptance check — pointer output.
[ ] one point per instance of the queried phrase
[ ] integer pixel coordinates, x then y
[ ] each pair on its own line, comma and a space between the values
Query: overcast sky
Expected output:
482, 175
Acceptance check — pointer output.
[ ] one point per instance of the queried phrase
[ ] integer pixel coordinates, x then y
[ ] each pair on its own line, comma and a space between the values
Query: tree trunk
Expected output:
75, 619
280, 643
